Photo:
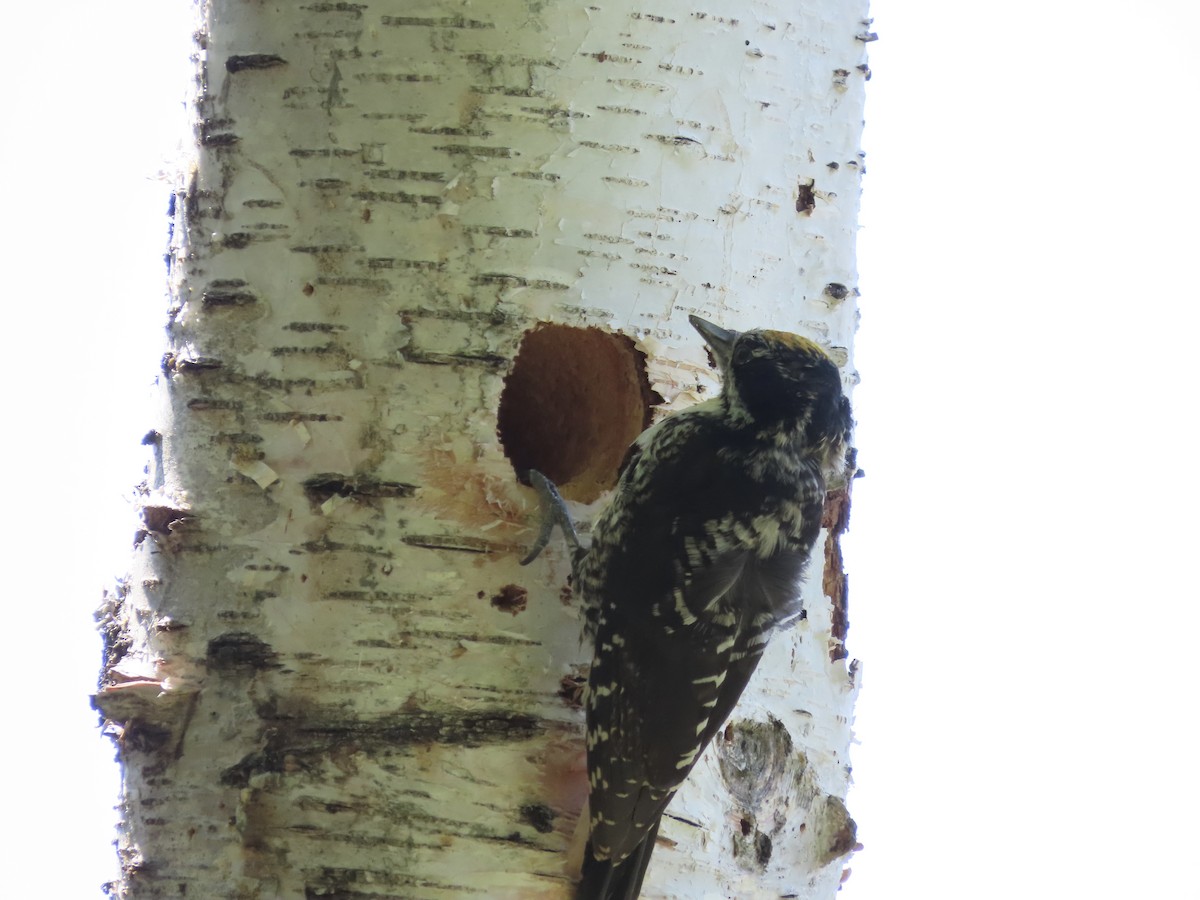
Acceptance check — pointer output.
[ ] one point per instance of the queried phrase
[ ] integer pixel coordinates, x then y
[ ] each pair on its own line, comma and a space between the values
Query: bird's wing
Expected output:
655, 699
682, 602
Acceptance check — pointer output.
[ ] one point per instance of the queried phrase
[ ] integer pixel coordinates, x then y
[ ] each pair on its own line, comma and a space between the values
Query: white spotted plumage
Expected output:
692, 565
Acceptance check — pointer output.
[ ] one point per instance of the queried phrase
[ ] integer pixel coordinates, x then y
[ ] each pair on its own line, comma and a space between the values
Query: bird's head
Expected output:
779, 380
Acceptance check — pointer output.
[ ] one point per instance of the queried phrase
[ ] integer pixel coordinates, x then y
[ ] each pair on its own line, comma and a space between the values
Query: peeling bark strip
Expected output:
834, 580
327, 675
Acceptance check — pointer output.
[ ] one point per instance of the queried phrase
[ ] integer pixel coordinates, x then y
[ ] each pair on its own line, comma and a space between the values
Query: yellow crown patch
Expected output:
795, 342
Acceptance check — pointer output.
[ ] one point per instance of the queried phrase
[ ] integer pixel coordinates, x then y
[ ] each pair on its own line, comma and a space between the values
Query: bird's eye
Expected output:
741, 354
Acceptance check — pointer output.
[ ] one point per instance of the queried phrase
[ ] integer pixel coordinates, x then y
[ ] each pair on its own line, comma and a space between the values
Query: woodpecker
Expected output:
695, 561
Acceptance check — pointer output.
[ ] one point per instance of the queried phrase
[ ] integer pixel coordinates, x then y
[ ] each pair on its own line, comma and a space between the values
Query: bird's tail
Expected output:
604, 880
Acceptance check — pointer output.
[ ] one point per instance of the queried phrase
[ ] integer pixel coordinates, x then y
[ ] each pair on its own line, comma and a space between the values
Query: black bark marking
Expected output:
305, 739
239, 63
239, 651
512, 598
806, 199
540, 816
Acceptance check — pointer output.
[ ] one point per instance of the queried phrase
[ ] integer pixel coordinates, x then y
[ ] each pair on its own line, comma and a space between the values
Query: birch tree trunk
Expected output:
425, 246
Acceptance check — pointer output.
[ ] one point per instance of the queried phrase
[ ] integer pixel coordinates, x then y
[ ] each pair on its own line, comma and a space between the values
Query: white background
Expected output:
1022, 550
1023, 547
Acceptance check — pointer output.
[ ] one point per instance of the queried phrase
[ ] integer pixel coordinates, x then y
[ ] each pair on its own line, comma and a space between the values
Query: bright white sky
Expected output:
1022, 593
1021, 585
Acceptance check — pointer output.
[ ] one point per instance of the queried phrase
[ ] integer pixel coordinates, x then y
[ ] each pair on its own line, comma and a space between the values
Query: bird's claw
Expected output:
554, 512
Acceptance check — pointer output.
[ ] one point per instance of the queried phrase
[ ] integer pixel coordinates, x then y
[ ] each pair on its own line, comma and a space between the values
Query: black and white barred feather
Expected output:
697, 558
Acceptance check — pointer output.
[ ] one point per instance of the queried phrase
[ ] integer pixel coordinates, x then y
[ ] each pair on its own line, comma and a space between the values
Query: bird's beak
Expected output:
719, 340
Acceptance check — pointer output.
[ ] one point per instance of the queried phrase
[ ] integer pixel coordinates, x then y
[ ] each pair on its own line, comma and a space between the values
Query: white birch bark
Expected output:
328, 674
